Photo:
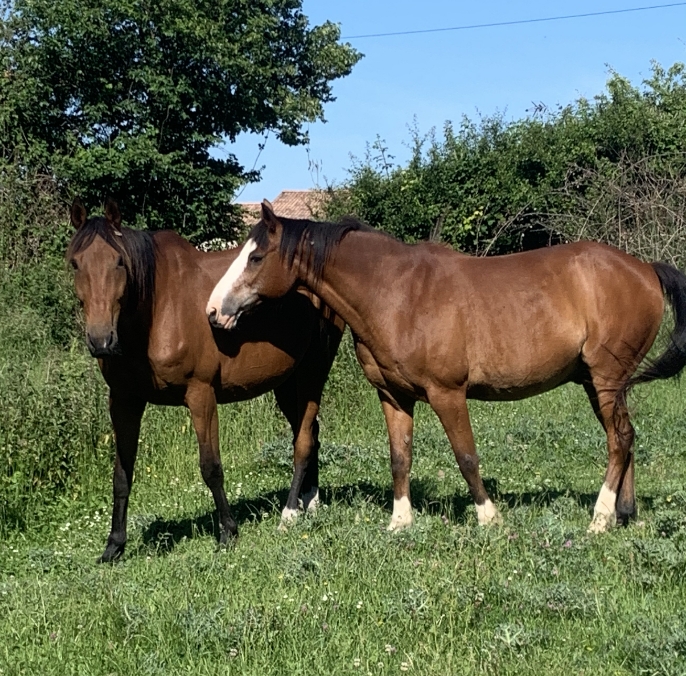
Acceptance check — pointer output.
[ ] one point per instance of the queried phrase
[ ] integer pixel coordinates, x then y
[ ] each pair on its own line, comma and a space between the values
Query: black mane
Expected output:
136, 247
313, 241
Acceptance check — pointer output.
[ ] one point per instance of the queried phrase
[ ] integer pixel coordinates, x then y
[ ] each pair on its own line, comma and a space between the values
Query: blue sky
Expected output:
436, 77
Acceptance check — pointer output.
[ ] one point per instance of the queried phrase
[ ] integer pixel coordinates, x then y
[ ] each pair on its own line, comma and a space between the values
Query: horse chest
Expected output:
380, 375
168, 363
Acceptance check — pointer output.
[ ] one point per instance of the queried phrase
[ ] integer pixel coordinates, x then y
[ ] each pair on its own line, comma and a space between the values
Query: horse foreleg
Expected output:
451, 408
307, 445
202, 404
400, 424
126, 414
300, 409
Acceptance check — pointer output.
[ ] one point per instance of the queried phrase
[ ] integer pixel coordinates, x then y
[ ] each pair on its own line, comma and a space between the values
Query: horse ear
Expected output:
112, 214
269, 217
77, 213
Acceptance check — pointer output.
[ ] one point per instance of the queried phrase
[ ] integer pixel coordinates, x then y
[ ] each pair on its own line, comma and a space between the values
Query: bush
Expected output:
611, 169
52, 400
52, 418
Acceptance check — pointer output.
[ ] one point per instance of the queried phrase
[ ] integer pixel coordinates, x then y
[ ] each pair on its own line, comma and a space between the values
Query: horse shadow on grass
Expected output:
427, 500
162, 535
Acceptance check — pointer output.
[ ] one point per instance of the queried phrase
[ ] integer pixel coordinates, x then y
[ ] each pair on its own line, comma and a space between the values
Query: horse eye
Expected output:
74, 264
256, 258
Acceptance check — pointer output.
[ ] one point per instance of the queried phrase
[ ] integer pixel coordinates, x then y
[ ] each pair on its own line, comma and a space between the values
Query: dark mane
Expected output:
313, 241
136, 247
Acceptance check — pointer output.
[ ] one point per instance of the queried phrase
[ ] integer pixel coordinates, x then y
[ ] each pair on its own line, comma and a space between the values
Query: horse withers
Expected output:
435, 325
143, 296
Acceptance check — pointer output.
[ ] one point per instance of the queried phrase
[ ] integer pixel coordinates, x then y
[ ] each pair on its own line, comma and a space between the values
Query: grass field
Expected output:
338, 594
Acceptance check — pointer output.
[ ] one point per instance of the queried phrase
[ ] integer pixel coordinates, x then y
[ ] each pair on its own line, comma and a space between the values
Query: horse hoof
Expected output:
310, 500
488, 515
399, 524
497, 520
227, 537
288, 517
111, 554
601, 523
624, 518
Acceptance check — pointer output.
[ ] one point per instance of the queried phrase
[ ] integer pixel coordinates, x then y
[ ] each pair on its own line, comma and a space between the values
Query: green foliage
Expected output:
129, 99
52, 399
492, 186
53, 417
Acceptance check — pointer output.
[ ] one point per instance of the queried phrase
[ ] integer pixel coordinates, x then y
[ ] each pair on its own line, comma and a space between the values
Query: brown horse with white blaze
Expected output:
434, 325
143, 296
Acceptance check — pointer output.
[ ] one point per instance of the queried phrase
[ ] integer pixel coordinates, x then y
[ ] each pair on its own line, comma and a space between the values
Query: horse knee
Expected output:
303, 447
468, 463
212, 472
400, 463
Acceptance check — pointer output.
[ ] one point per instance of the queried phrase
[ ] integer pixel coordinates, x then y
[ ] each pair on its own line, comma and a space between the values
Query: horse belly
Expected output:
522, 369
512, 389
256, 369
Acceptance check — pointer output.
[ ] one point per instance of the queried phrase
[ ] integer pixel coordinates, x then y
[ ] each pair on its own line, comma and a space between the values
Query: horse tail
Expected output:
673, 359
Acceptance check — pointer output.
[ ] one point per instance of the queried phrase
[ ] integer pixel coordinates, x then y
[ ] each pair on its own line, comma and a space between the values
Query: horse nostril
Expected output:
212, 313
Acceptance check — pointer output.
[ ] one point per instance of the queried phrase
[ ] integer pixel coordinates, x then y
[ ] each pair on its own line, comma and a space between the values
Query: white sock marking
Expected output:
402, 514
288, 516
310, 500
604, 514
487, 513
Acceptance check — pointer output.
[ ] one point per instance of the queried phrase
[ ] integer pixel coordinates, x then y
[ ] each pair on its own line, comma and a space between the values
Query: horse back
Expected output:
515, 325
551, 311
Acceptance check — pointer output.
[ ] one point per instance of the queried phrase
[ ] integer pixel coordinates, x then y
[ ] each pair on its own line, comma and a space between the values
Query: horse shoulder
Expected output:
180, 338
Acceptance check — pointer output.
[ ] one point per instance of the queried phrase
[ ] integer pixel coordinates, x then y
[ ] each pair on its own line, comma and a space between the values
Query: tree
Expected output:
127, 98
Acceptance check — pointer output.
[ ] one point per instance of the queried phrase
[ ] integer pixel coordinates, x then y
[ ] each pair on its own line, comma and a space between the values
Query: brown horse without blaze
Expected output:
434, 325
143, 296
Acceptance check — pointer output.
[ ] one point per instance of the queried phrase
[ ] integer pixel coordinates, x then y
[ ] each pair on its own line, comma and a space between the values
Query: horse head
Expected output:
258, 273
101, 268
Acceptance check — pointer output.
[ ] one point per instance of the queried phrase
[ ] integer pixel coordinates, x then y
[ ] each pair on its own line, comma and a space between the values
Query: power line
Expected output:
514, 23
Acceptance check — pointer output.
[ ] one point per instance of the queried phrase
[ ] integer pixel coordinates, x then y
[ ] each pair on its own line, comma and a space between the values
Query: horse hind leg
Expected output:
616, 501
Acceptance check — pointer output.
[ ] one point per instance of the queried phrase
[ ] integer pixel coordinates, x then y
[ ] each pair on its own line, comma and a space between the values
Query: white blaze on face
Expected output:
228, 284
604, 515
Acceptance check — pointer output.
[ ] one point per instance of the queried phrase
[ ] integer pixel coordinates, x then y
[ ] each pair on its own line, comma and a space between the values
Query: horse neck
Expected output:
134, 324
136, 316
357, 280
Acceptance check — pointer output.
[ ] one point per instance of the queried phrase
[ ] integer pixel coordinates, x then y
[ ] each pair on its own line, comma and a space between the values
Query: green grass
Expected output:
337, 593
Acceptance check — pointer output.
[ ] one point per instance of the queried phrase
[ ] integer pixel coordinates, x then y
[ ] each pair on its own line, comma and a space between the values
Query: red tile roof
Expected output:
289, 204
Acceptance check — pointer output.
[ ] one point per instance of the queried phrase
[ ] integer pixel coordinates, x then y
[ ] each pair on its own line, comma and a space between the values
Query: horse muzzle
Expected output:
102, 341
226, 316
222, 321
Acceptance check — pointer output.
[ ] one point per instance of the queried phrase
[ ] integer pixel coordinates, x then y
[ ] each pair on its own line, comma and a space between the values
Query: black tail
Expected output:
673, 359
